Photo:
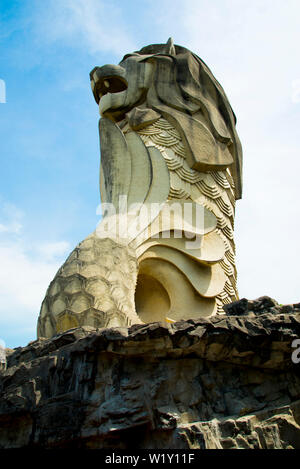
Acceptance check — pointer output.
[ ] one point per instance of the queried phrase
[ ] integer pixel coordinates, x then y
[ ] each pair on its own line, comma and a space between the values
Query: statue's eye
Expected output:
126, 57
133, 54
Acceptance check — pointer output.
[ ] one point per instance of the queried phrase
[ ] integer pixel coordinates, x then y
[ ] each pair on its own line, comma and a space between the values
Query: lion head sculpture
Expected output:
167, 138
172, 81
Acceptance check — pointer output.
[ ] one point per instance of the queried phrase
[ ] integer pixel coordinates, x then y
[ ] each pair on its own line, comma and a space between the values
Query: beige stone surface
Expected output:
170, 173
93, 288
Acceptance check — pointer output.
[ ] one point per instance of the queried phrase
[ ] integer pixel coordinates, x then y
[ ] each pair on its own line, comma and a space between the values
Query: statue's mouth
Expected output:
107, 79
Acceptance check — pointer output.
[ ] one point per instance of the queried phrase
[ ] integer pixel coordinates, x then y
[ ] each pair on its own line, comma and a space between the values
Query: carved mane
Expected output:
185, 92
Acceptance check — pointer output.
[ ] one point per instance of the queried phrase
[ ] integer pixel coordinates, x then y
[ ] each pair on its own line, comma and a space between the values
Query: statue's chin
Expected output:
112, 104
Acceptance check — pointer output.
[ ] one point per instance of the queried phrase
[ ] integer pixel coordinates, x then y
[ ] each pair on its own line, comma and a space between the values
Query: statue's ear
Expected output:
170, 48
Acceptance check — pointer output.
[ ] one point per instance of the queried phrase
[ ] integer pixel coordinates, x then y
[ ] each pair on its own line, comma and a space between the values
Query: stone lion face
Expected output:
174, 83
119, 88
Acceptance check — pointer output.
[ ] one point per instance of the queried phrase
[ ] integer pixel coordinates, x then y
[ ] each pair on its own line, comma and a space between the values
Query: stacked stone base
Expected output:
225, 382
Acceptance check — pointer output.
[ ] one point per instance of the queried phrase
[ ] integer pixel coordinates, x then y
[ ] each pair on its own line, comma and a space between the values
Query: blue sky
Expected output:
49, 190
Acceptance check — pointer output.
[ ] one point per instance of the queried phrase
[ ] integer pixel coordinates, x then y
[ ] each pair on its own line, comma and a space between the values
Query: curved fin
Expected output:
160, 186
207, 249
141, 173
208, 281
179, 215
156, 197
115, 162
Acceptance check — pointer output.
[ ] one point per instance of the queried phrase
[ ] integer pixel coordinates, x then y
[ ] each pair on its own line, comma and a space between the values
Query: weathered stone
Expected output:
262, 305
237, 308
223, 382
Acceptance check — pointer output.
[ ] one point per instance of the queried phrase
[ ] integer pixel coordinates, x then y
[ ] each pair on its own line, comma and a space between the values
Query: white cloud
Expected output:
52, 250
296, 91
10, 219
24, 279
25, 273
10, 228
2, 91
94, 24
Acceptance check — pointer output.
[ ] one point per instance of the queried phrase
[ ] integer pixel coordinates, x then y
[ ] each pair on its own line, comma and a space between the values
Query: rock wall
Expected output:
224, 382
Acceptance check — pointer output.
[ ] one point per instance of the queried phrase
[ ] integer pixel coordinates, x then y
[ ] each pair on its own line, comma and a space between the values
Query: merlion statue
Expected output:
171, 171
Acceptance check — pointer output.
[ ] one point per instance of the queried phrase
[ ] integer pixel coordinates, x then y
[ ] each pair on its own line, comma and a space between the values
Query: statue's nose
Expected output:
107, 79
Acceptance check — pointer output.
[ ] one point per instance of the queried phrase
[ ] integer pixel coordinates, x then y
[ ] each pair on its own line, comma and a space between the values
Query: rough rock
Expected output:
223, 382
